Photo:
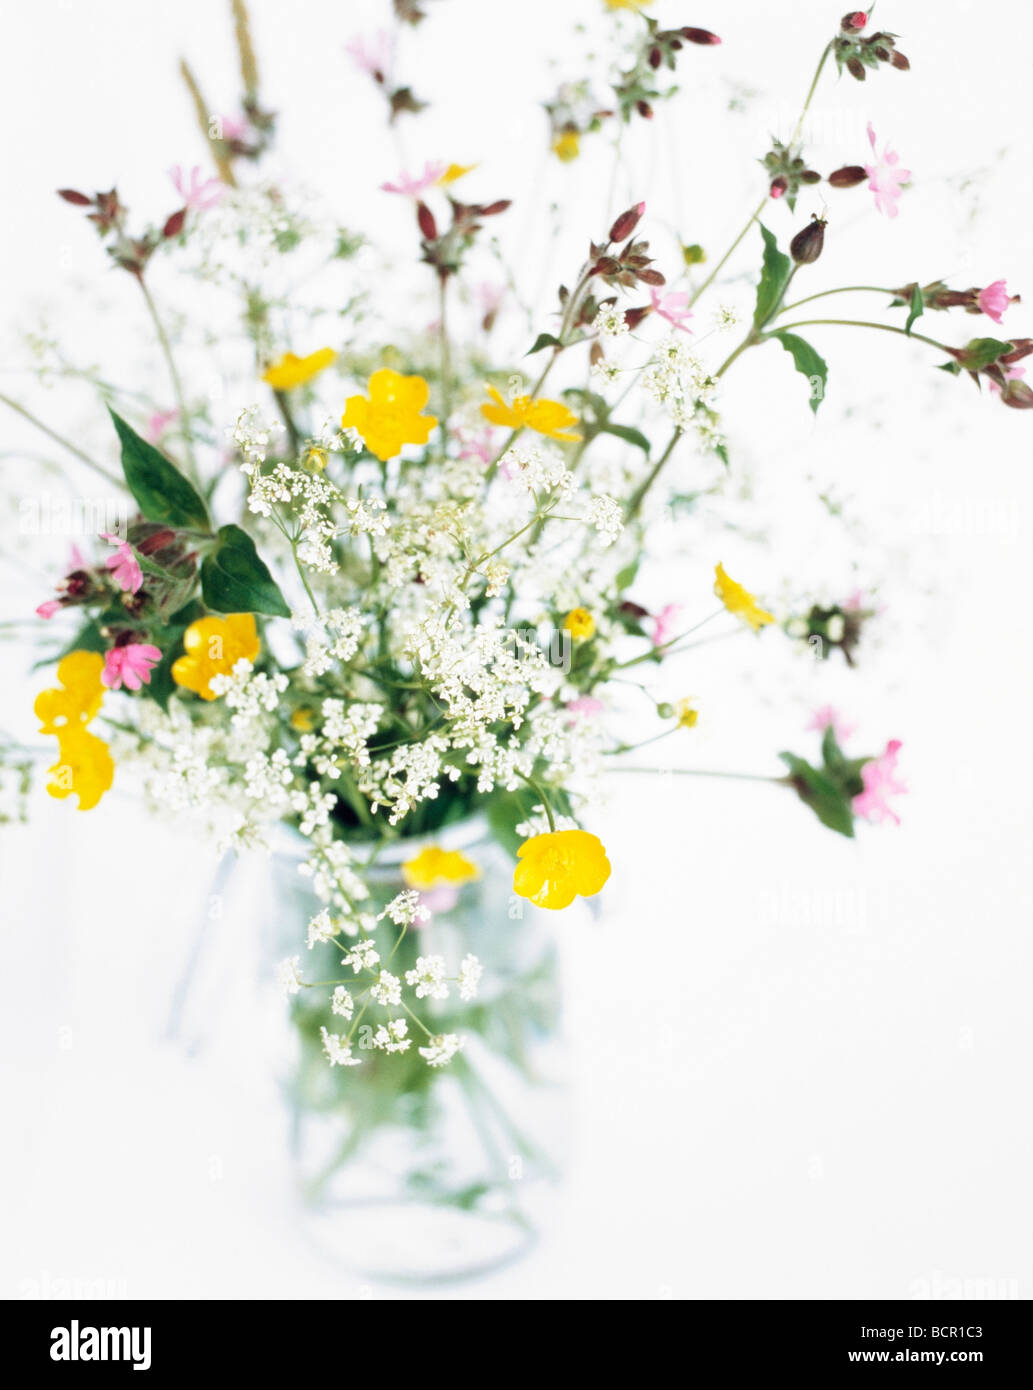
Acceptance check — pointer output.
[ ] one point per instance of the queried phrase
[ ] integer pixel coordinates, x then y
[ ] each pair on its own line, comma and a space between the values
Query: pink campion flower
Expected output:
196, 191
371, 54
880, 781
584, 707
412, 185
441, 898
476, 443
159, 423
48, 609
885, 176
828, 718
123, 565
234, 127
1010, 374
994, 300
663, 622
674, 306
129, 665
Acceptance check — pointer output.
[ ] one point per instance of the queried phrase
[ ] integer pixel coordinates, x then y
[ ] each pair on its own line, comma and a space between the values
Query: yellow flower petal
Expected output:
567, 146
434, 866
557, 866
740, 601
580, 624
291, 371
454, 172
212, 647
391, 416
84, 768
546, 417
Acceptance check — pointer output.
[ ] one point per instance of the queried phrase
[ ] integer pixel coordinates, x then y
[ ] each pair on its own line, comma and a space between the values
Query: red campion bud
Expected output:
1020, 348
898, 61
855, 68
806, 246
627, 222
493, 209
778, 187
606, 265
71, 196
854, 22
157, 541
644, 109
699, 36
174, 225
633, 317
652, 277
848, 177
1017, 394
655, 57
425, 218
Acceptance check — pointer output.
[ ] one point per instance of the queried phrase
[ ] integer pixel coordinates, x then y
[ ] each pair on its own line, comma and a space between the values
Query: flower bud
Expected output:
1020, 348
778, 187
898, 61
627, 222
807, 245
425, 218
79, 200
174, 224
703, 36
854, 22
644, 110
1017, 394
848, 177
855, 68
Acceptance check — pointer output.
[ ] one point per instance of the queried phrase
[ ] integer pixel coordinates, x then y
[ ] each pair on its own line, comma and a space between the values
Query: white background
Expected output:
801, 1064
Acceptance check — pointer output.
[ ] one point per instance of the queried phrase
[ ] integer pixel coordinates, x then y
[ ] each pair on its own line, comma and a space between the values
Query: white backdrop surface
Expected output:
801, 1064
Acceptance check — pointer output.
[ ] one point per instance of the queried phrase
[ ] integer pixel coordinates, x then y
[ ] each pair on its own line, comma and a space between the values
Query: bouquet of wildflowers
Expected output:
388, 579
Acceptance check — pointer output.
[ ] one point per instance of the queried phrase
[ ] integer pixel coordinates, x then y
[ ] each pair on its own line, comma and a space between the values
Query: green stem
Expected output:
446, 360
65, 443
536, 787
638, 495
705, 772
177, 384
864, 323
843, 289
283, 406
764, 201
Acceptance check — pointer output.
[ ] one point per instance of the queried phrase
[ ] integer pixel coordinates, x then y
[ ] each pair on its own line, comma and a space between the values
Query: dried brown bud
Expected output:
806, 246
493, 209
627, 222
898, 61
855, 68
174, 224
703, 36
848, 177
425, 218
80, 200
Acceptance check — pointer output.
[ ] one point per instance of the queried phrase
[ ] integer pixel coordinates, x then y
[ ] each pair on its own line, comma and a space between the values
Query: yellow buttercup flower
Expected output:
688, 714
567, 146
303, 719
391, 417
554, 868
628, 4
551, 418
454, 172
435, 866
212, 647
740, 601
291, 371
316, 458
84, 767
580, 624
80, 695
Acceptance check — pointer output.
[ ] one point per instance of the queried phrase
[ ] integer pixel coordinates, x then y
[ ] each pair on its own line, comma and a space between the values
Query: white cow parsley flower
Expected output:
338, 1051
441, 1049
321, 928
388, 989
288, 975
470, 972
405, 909
392, 1036
362, 956
428, 977
342, 1003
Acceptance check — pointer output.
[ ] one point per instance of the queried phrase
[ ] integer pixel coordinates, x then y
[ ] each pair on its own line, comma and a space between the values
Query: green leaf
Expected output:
543, 340
773, 278
628, 434
626, 576
87, 639
170, 640
808, 363
235, 580
818, 791
917, 308
160, 490
981, 352
505, 813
